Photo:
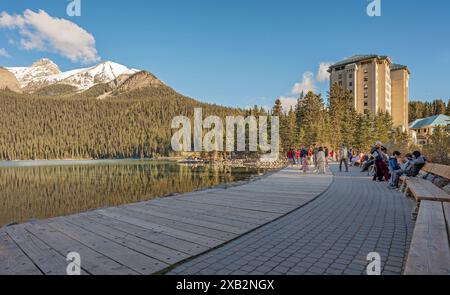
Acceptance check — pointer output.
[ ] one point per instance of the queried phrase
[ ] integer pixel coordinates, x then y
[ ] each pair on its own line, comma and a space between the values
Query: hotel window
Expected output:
350, 76
340, 83
366, 86
340, 76
366, 104
350, 84
366, 95
366, 71
366, 79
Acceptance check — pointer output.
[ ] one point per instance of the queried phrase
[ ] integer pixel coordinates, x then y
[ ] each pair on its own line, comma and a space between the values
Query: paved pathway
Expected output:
331, 235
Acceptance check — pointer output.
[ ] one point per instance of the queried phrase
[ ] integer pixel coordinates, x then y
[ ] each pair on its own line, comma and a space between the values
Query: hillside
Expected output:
8, 81
131, 124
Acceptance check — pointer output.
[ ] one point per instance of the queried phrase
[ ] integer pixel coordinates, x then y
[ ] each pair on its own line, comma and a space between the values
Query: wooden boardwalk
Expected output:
148, 237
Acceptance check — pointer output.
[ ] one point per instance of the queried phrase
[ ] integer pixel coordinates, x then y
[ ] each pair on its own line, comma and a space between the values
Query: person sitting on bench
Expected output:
413, 168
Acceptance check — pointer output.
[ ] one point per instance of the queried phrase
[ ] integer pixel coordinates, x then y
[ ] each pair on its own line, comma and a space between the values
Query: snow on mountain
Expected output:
37, 72
44, 72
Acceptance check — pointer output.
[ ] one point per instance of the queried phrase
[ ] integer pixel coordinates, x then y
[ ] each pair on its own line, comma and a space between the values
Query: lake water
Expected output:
43, 189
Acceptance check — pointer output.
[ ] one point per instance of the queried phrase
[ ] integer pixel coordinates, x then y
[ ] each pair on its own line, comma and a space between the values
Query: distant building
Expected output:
424, 128
376, 85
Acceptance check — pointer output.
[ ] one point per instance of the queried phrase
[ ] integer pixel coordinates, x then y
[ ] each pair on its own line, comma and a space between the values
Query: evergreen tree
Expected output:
312, 115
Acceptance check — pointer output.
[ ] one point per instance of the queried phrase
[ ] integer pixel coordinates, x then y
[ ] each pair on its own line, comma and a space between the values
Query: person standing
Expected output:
297, 157
378, 157
343, 158
321, 161
304, 159
315, 151
327, 154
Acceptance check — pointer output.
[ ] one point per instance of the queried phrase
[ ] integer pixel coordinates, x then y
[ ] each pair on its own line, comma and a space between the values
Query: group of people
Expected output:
317, 155
387, 168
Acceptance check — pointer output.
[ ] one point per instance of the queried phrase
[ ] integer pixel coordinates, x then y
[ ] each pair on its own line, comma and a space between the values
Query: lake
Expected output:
43, 189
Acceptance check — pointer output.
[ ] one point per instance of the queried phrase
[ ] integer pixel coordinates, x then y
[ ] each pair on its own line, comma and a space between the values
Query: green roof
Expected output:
434, 121
357, 58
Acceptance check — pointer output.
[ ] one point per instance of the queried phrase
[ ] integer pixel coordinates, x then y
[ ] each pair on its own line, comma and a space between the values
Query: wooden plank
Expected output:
447, 217
202, 215
92, 261
208, 232
147, 234
13, 259
137, 244
264, 198
136, 261
255, 216
209, 210
256, 202
175, 216
278, 210
49, 261
425, 190
440, 170
428, 167
429, 252
192, 237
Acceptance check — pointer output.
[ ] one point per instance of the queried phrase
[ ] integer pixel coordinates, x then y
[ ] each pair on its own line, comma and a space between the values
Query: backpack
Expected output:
344, 153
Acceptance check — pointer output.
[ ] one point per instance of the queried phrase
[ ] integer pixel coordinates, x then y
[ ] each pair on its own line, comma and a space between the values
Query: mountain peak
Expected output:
45, 72
140, 80
47, 65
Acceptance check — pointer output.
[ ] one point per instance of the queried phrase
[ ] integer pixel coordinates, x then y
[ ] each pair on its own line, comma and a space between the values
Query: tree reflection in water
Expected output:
49, 191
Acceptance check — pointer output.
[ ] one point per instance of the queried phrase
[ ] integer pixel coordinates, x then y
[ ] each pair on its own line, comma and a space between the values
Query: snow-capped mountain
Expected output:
44, 72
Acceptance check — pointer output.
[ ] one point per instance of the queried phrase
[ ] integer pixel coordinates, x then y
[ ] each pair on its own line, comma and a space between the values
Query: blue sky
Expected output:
246, 52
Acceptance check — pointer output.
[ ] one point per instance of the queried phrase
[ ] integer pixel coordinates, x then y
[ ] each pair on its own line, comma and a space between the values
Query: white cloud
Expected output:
40, 31
4, 53
287, 102
322, 74
307, 84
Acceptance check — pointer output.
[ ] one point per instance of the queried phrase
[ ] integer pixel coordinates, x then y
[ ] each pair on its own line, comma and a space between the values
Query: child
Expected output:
393, 161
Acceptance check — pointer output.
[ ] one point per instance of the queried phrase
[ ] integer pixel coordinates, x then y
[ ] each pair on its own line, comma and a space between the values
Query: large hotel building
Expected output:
376, 85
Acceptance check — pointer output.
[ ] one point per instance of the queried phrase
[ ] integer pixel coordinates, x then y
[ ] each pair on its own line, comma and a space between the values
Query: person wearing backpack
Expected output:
343, 158
378, 157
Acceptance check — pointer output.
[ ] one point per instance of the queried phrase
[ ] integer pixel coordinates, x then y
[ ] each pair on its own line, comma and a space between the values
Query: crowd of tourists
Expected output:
319, 156
381, 165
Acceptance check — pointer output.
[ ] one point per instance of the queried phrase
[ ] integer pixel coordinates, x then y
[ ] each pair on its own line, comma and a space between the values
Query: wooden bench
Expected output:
429, 253
422, 189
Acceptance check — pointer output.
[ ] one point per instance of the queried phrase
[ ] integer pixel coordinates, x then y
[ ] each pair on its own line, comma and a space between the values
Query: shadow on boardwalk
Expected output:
331, 235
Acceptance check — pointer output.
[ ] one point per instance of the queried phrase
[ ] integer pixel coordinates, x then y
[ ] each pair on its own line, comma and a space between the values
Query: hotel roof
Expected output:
357, 58
396, 67
434, 121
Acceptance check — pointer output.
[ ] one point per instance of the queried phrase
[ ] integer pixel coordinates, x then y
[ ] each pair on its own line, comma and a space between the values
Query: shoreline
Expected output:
237, 163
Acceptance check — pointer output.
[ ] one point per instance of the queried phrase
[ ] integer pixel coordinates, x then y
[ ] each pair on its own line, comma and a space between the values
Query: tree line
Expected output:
333, 123
58, 124
424, 109
135, 124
